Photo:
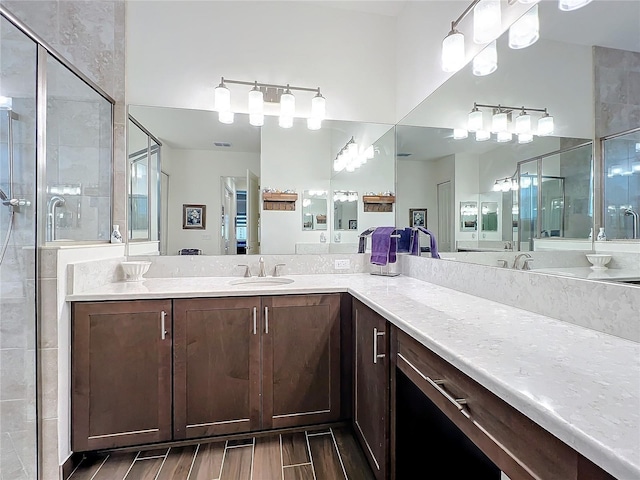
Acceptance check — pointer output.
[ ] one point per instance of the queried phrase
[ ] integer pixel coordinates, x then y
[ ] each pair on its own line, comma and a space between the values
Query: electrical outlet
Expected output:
342, 264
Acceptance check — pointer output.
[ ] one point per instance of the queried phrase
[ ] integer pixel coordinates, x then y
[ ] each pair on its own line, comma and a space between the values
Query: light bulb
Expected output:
504, 136
460, 133
635, 167
287, 104
482, 135
475, 120
453, 56
545, 125
486, 61
525, 138
499, 122
487, 21
370, 152
523, 123
318, 107
496, 186
314, 123
285, 121
526, 30
506, 185
225, 117
256, 119
222, 98
256, 101
569, 5
6, 103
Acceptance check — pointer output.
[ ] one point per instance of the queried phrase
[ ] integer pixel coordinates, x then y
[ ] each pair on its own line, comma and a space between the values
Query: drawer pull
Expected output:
255, 320
376, 355
458, 402
266, 319
163, 332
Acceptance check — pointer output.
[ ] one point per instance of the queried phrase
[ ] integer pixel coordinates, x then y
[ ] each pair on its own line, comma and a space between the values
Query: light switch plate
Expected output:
342, 264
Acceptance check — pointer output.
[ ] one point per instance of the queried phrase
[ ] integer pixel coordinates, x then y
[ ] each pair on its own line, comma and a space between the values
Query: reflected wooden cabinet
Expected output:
120, 373
371, 386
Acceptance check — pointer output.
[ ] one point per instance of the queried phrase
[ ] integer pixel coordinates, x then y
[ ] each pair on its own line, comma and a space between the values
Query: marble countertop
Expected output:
581, 385
613, 274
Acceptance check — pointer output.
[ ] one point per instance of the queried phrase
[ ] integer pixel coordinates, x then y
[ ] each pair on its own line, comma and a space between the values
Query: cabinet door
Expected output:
371, 385
120, 373
301, 360
216, 366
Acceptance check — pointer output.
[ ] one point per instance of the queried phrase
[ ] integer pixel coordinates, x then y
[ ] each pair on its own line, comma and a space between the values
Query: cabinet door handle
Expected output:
266, 319
376, 356
163, 332
255, 320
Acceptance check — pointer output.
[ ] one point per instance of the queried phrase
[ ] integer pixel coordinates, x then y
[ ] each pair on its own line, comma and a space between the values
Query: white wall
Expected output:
292, 159
195, 179
177, 52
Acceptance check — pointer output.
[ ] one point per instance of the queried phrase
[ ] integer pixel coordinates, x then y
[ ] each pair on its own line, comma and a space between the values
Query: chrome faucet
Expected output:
276, 273
634, 214
525, 266
261, 271
53, 203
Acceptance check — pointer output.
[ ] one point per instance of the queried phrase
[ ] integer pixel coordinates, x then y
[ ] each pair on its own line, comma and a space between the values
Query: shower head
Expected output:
3, 196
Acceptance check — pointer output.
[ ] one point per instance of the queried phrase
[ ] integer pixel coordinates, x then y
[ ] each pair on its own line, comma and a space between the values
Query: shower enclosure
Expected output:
55, 183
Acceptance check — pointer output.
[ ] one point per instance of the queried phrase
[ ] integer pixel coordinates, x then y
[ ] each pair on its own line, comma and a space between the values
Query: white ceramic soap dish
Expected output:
133, 271
598, 261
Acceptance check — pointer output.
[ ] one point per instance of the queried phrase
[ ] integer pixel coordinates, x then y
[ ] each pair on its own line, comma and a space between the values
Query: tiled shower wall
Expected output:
91, 35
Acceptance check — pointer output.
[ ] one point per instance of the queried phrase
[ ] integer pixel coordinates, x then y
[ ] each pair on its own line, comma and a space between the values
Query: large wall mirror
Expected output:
225, 168
532, 193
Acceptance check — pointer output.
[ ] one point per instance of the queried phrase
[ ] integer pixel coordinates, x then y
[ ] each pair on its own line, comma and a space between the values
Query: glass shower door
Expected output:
18, 419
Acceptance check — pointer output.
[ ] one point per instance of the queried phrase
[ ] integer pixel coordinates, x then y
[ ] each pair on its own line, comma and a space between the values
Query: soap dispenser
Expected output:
116, 236
601, 235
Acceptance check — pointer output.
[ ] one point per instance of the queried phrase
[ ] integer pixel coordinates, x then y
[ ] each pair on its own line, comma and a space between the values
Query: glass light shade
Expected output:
337, 166
483, 135
615, 170
545, 125
350, 167
514, 184
453, 52
475, 120
287, 104
635, 167
528, 1
6, 102
256, 119
486, 61
506, 185
525, 138
285, 121
256, 102
499, 122
496, 186
523, 123
314, 123
526, 30
370, 152
222, 99
487, 21
225, 117
460, 133
353, 150
504, 136
568, 5
318, 107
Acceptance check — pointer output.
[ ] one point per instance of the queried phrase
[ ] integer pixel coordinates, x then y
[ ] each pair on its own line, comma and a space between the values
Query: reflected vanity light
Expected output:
569, 5
525, 138
351, 156
487, 21
482, 135
226, 117
6, 103
504, 136
526, 30
486, 62
460, 133
474, 122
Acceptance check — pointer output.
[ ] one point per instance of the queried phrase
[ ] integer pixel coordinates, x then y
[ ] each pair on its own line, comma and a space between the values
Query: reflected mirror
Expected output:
345, 210
468, 216
314, 210
489, 216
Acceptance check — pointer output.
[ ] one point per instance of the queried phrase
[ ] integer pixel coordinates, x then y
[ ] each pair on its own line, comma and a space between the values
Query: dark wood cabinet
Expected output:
121, 373
371, 386
301, 360
216, 377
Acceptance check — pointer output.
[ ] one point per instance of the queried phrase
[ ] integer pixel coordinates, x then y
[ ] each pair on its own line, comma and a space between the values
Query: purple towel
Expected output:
433, 247
383, 247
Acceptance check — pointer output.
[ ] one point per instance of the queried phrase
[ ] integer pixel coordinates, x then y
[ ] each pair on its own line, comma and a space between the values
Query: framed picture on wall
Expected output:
353, 224
194, 216
417, 217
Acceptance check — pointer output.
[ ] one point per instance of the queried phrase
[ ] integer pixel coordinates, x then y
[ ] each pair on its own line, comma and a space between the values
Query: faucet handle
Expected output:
502, 263
525, 265
275, 269
247, 272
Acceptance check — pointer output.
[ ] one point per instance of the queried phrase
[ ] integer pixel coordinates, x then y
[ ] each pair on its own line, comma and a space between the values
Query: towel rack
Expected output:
382, 271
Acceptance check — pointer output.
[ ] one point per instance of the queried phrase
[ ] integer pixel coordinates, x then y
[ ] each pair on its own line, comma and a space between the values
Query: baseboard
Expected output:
70, 464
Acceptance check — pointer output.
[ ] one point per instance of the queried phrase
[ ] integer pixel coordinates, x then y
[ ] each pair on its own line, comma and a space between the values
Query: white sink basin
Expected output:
261, 281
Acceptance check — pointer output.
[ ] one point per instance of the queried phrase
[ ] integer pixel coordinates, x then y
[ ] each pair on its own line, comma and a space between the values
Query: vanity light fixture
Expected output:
487, 21
474, 122
460, 133
482, 135
351, 156
522, 124
486, 62
5, 103
453, 55
269, 93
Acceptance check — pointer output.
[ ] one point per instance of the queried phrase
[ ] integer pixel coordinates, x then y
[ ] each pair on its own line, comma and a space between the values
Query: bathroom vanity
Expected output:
533, 395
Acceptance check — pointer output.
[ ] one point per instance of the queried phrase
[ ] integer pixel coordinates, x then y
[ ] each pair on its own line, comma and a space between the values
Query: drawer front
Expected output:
517, 445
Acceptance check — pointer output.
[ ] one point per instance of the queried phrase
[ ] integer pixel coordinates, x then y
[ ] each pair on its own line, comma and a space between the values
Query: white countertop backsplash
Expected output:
580, 384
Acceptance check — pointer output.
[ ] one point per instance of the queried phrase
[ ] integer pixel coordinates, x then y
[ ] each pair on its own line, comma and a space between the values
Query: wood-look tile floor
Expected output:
330, 454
